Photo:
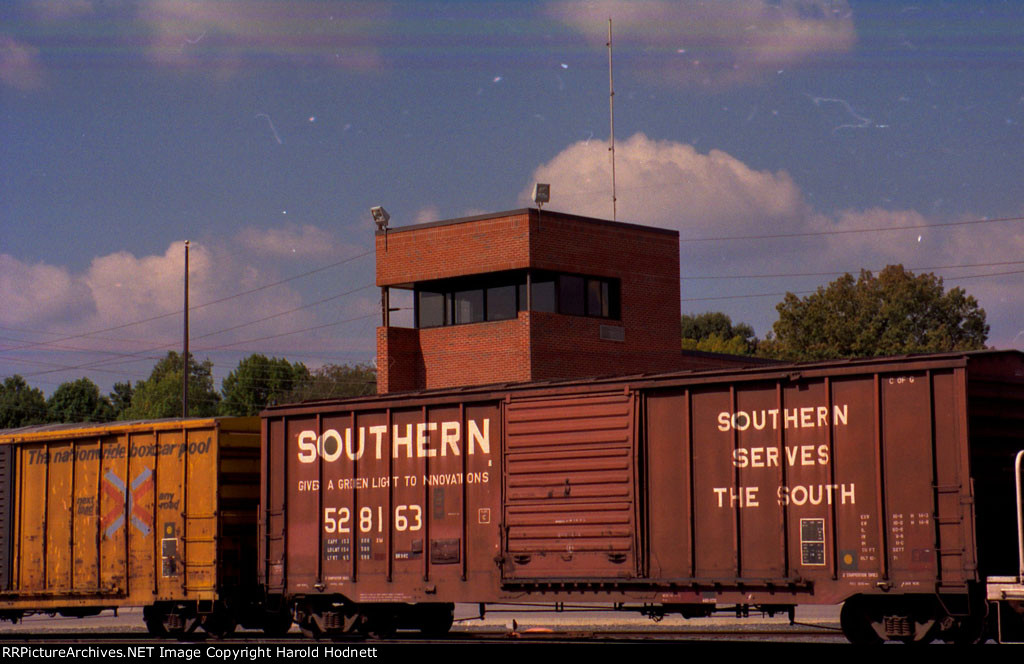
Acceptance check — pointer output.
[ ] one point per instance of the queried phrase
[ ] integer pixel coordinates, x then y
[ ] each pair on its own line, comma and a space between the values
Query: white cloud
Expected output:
714, 43
123, 304
114, 318
36, 295
670, 184
715, 195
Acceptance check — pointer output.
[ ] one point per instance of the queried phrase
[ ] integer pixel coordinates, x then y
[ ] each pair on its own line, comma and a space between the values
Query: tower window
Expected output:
501, 296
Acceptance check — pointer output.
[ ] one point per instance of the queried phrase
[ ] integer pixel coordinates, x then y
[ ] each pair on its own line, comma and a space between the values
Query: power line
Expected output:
806, 292
284, 313
192, 308
285, 334
138, 355
828, 274
850, 230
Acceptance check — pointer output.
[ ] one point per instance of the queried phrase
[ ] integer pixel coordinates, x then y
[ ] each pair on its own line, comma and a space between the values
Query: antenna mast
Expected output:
611, 113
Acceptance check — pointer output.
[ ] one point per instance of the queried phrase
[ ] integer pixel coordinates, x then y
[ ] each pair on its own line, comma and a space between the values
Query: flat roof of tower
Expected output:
533, 212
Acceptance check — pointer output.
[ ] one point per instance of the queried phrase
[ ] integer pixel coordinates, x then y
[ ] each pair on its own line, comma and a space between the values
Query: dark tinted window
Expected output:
499, 296
431, 309
597, 298
571, 298
501, 303
543, 296
469, 306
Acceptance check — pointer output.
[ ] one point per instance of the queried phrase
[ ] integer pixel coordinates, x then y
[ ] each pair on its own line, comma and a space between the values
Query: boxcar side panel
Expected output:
855, 443
121, 514
302, 487
957, 564
85, 528
910, 475
409, 445
482, 521
31, 524
762, 520
59, 530
169, 524
114, 569
716, 495
200, 529
825, 485
440, 518
385, 504
135, 520
274, 471
7, 516
668, 491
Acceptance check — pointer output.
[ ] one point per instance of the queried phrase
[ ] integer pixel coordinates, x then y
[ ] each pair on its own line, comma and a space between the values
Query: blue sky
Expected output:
867, 133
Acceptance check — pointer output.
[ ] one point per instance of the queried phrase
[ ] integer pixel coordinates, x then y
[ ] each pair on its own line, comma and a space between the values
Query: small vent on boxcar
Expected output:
6, 514
569, 488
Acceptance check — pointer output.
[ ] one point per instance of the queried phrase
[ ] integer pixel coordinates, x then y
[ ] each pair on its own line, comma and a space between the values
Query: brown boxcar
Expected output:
159, 514
885, 484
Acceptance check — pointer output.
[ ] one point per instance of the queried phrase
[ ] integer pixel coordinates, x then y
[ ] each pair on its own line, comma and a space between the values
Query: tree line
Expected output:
257, 381
892, 313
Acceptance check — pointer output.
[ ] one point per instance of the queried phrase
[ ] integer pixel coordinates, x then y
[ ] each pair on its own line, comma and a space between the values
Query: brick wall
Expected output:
536, 345
426, 252
399, 360
477, 354
646, 261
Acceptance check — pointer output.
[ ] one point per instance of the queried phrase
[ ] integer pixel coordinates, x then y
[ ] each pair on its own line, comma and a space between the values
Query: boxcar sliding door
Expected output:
570, 488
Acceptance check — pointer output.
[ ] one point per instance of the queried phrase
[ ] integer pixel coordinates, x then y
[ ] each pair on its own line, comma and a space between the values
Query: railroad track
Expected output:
795, 634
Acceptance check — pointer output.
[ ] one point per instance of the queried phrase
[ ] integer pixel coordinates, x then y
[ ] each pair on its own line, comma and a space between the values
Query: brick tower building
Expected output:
529, 295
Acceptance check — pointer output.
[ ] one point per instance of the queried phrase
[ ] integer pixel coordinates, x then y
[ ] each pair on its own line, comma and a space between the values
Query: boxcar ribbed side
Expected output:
885, 484
158, 514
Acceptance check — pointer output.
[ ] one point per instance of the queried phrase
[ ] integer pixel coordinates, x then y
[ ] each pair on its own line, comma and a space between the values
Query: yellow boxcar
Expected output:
158, 514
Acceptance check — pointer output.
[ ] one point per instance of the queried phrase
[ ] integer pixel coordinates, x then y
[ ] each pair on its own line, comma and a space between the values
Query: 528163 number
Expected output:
338, 519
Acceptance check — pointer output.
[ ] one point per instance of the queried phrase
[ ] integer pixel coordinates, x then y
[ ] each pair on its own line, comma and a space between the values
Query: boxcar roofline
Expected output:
791, 372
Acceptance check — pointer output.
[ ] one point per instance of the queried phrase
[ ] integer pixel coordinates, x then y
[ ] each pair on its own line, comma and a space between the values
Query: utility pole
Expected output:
184, 371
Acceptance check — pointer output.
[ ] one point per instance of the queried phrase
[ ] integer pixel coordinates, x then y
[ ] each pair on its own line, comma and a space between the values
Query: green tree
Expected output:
20, 404
121, 398
258, 381
714, 332
160, 394
334, 381
78, 401
894, 313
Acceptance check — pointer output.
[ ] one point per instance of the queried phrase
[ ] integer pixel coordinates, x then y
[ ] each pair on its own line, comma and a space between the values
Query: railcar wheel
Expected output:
308, 624
436, 620
310, 630
909, 619
922, 618
154, 620
379, 623
856, 622
278, 623
173, 621
220, 623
